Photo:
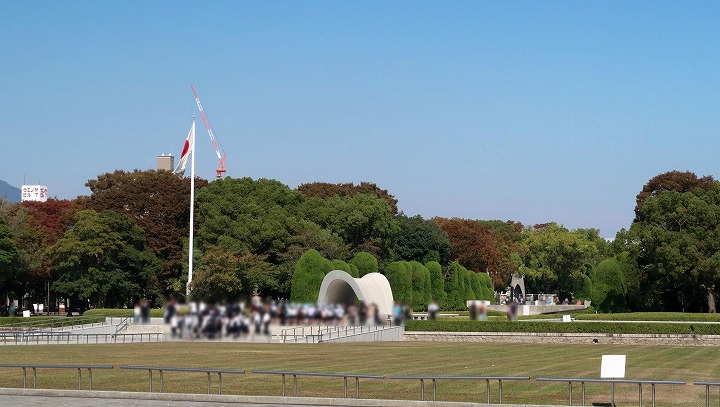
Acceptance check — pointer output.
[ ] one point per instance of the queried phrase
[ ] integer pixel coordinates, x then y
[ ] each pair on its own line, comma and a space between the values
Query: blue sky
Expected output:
525, 111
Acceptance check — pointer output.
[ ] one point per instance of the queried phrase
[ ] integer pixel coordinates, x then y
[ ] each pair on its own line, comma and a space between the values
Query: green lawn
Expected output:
390, 358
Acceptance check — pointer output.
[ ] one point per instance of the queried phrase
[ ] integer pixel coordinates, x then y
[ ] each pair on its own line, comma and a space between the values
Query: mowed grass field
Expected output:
388, 358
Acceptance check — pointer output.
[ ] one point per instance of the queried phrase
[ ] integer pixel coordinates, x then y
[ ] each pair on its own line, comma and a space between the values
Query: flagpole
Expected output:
192, 213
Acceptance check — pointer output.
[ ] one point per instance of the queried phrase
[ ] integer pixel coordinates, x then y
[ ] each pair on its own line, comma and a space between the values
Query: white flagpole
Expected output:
192, 213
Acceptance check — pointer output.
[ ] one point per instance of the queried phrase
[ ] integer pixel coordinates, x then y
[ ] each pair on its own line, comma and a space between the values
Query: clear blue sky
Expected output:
527, 111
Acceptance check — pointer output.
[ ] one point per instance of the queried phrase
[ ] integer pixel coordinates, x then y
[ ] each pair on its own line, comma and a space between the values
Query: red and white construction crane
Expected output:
219, 151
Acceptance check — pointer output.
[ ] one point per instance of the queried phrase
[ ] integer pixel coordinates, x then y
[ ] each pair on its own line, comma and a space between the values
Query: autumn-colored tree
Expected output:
52, 219
483, 246
52, 216
327, 190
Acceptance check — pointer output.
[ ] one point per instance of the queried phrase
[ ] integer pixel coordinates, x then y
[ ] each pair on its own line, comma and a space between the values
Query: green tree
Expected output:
608, 287
675, 239
437, 282
226, 276
455, 287
468, 283
363, 221
9, 255
341, 265
28, 240
486, 287
421, 286
258, 217
400, 279
555, 259
365, 262
103, 259
309, 274
421, 240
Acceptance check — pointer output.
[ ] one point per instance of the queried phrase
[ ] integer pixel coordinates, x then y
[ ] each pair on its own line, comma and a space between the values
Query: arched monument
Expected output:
339, 287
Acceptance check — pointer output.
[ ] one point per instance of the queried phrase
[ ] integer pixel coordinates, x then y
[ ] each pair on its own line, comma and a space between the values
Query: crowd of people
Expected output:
238, 320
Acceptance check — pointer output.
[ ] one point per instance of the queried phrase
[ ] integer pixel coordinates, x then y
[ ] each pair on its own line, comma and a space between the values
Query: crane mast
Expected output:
219, 151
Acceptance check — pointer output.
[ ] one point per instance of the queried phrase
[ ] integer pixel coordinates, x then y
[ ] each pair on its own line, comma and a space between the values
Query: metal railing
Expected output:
317, 334
150, 370
582, 382
65, 338
345, 376
357, 377
56, 323
707, 390
78, 367
436, 378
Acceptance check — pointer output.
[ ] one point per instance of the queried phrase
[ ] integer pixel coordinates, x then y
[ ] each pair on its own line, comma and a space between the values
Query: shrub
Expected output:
659, 328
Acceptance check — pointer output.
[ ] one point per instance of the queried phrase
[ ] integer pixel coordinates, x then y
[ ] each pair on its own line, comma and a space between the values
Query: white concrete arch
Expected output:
373, 288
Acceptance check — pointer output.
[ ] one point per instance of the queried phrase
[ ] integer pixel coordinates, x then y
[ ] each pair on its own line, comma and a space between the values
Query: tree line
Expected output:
128, 240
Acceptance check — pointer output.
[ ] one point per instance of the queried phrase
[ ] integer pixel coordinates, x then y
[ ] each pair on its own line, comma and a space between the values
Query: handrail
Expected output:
184, 369
123, 324
582, 381
707, 390
435, 378
34, 368
345, 376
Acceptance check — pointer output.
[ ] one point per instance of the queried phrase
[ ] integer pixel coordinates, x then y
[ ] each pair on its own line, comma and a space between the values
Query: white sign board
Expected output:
612, 367
37, 193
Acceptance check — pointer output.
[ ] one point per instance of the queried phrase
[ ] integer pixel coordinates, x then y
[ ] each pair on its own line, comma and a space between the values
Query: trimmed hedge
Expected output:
652, 316
113, 312
44, 321
454, 325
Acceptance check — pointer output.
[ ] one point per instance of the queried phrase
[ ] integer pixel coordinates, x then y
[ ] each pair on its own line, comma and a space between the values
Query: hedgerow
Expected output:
599, 327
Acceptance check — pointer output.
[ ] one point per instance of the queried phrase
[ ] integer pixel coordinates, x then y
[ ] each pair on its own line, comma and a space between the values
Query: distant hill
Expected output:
9, 192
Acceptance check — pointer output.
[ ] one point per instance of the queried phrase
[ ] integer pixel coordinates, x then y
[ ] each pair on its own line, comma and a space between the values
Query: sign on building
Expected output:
37, 193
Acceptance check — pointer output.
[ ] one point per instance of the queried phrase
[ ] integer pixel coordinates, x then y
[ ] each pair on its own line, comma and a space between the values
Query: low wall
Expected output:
540, 309
563, 338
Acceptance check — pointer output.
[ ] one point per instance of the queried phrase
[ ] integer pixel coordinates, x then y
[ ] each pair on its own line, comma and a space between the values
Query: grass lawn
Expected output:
389, 358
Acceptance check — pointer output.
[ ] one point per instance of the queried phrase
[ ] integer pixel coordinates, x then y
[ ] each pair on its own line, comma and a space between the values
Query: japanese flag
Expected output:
186, 151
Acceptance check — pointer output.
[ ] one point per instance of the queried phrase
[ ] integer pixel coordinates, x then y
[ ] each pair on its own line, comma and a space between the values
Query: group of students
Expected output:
198, 320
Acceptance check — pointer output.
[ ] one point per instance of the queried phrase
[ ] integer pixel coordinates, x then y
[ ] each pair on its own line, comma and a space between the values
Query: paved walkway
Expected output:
83, 398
